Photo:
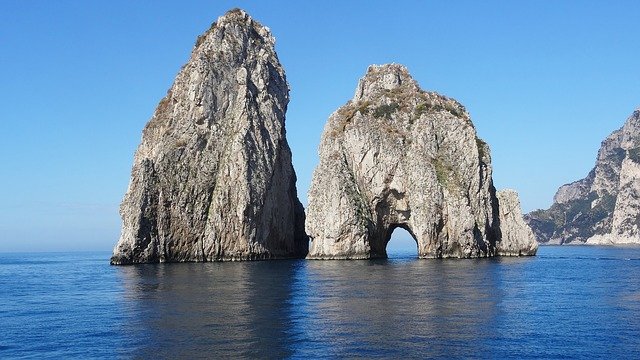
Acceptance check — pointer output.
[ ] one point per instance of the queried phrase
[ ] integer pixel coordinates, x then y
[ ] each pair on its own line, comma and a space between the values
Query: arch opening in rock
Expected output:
399, 241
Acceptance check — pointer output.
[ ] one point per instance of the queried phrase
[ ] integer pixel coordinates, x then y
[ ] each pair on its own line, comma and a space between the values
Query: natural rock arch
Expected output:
391, 213
397, 156
381, 249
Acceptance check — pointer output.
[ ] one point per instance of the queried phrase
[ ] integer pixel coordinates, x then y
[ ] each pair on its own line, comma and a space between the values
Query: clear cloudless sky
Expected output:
545, 82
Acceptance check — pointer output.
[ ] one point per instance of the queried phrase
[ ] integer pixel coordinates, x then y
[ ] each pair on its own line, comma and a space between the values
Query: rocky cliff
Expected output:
604, 207
397, 156
212, 178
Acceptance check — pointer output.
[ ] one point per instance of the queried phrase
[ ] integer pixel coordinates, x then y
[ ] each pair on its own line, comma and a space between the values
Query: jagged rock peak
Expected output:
382, 78
235, 21
602, 208
212, 179
394, 83
397, 156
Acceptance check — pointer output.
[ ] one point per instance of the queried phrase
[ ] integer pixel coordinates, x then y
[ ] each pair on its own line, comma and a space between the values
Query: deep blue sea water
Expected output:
568, 302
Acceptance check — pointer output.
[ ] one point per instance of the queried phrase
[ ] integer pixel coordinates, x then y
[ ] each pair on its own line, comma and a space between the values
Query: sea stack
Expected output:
604, 207
212, 179
397, 156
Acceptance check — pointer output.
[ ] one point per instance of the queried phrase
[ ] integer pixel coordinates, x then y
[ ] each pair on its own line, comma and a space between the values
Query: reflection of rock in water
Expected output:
447, 308
421, 307
221, 309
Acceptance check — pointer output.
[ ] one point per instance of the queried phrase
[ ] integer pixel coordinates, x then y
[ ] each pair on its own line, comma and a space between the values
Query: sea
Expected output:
567, 302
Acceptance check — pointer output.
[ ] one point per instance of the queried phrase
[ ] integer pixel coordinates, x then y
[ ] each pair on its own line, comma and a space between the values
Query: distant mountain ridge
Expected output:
604, 207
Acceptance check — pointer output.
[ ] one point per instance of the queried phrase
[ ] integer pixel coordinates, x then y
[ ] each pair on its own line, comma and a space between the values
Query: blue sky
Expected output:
544, 81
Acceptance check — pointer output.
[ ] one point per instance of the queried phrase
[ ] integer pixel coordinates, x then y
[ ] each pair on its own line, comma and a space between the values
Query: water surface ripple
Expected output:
568, 302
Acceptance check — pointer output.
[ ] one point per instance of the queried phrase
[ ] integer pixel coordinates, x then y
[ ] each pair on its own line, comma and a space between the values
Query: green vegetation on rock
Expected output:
482, 148
385, 110
634, 154
576, 220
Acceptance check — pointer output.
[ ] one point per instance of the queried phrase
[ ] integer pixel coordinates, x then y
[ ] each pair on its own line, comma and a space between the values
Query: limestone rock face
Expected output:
212, 179
397, 156
517, 237
604, 207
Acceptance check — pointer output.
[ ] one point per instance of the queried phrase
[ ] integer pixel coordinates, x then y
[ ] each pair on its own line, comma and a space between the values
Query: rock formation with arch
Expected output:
398, 156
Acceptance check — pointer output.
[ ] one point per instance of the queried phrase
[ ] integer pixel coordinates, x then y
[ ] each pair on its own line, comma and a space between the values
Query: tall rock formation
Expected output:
212, 179
604, 207
397, 156
517, 236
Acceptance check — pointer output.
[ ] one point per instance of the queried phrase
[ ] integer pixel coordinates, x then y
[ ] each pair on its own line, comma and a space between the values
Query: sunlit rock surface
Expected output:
212, 178
398, 156
604, 207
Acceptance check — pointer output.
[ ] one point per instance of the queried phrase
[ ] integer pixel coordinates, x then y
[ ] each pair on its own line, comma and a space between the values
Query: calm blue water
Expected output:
568, 302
